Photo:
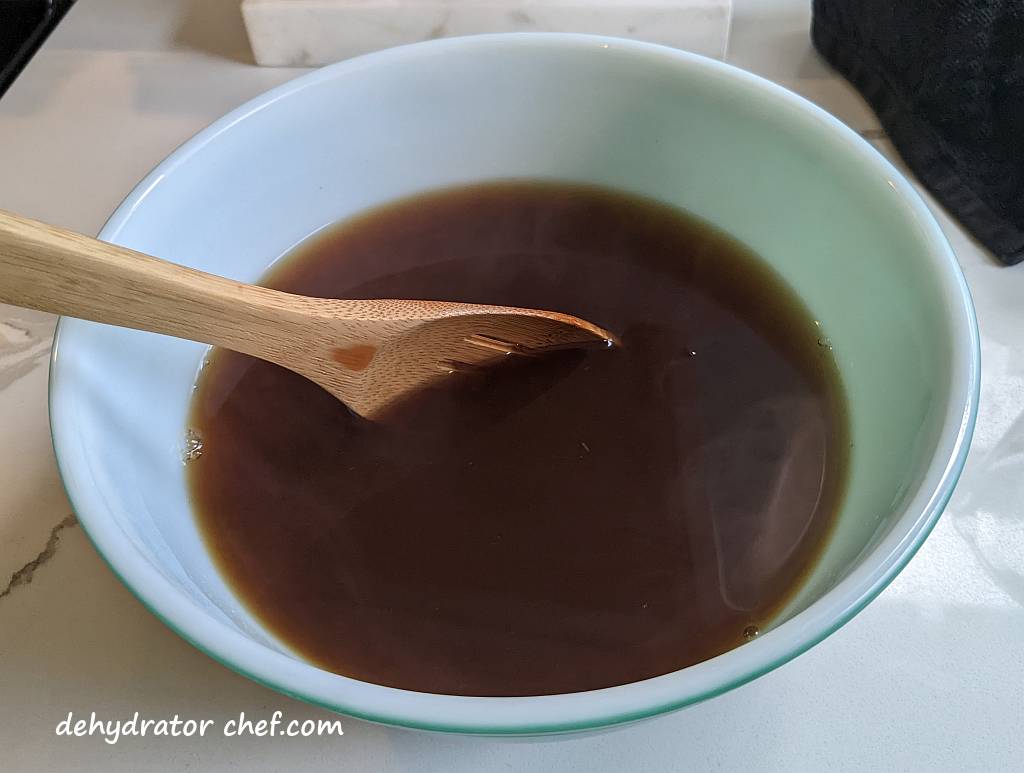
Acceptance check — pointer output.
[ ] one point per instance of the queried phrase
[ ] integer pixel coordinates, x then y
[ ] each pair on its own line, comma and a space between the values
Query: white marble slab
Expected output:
316, 32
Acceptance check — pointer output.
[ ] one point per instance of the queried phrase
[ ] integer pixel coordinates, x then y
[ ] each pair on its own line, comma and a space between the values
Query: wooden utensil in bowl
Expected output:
367, 353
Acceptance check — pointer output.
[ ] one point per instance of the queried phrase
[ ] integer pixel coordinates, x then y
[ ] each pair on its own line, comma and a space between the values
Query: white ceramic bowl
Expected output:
836, 220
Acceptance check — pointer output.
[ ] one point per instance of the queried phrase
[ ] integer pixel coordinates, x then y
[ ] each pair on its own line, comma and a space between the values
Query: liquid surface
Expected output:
573, 522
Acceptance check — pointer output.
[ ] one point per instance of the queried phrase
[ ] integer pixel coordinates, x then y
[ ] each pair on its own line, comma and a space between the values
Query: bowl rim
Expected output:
594, 708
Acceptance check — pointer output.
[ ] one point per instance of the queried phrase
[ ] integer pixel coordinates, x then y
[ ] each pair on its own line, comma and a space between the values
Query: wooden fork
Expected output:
367, 353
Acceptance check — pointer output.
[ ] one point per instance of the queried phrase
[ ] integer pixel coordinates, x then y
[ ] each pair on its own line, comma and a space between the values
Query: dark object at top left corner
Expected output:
24, 26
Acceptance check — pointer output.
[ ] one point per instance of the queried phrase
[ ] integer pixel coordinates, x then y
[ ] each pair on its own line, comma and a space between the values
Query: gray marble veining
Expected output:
25, 339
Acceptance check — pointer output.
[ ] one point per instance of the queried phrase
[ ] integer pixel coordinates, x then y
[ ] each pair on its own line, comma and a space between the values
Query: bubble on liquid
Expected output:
203, 364
824, 342
691, 353
193, 446
751, 632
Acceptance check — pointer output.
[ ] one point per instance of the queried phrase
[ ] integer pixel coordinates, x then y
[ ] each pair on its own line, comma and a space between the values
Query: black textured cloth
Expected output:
946, 78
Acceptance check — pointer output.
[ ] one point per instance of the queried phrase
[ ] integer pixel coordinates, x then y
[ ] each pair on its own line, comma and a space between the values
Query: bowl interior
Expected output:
836, 221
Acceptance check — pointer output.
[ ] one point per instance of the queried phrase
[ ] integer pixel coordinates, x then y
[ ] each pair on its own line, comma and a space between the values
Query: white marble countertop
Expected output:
929, 677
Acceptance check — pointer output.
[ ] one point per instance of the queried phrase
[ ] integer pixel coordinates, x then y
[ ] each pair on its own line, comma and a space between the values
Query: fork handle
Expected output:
52, 269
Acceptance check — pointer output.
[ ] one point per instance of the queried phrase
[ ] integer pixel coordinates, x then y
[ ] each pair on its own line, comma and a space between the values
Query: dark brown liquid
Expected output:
583, 520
